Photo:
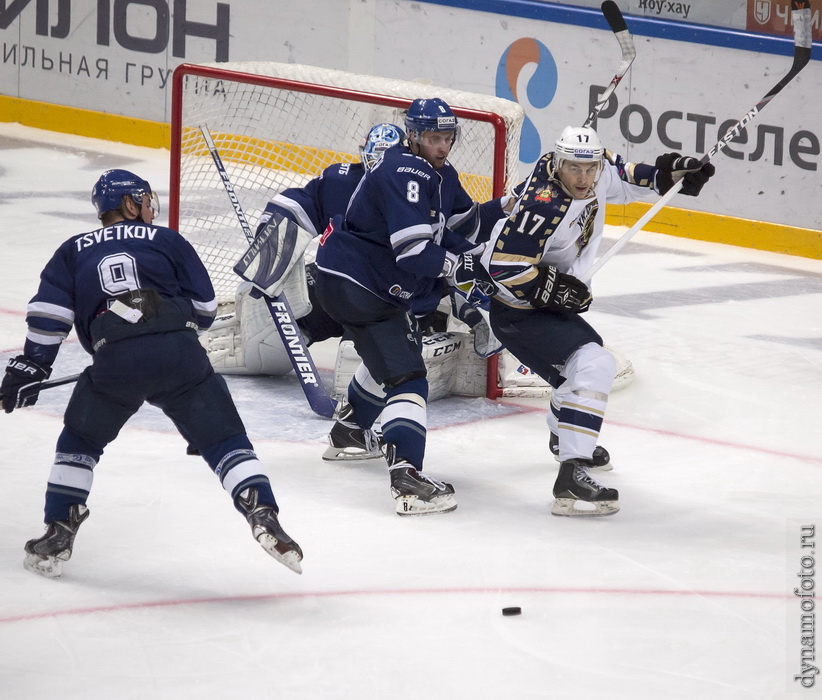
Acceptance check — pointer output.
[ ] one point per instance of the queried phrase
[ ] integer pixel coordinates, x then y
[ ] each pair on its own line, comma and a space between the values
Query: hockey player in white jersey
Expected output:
536, 257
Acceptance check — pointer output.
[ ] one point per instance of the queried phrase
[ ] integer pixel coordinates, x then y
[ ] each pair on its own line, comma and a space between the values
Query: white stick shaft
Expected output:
631, 232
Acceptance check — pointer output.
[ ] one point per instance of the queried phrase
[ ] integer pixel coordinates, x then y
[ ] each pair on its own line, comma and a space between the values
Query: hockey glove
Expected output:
558, 291
485, 343
461, 309
466, 273
672, 167
21, 384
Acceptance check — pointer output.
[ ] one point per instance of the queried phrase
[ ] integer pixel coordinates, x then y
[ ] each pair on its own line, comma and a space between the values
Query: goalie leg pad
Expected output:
441, 354
248, 341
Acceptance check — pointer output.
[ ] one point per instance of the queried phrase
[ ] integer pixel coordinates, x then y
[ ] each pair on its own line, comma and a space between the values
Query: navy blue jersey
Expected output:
89, 270
313, 206
398, 226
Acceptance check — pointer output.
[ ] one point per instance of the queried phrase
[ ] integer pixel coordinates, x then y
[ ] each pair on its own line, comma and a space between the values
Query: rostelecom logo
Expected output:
539, 89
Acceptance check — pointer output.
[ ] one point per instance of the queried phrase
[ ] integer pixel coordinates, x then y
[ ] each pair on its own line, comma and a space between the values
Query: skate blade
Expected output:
48, 567
412, 505
576, 508
342, 454
290, 559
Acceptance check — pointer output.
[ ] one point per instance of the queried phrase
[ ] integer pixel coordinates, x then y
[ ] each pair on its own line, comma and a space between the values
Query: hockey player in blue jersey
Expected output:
312, 207
537, 256
136, 294
392, 249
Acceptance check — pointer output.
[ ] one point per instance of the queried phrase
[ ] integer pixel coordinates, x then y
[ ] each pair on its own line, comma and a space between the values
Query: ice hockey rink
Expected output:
687, 592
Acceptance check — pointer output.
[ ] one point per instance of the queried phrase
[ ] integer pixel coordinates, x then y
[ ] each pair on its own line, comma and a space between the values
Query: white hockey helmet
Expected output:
579, 144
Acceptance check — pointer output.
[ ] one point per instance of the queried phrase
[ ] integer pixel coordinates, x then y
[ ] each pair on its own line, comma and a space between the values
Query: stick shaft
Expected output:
802, 55
282, 316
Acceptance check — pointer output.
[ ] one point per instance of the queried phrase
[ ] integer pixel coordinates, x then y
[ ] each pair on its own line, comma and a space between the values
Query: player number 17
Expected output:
535, 223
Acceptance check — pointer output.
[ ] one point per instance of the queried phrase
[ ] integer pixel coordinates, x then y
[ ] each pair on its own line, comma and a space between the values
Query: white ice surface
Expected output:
685, 593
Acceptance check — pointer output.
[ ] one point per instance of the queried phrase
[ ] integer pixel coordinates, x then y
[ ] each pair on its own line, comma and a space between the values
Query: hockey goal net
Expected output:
279, 125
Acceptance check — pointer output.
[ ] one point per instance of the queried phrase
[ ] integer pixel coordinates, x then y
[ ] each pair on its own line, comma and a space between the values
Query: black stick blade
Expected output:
613, 16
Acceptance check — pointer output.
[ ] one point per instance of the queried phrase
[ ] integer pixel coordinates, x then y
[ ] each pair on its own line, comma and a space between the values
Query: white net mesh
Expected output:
272, 134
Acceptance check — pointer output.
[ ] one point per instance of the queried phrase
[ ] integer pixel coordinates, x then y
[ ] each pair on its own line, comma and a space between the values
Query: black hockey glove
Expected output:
560, 292
21, 384
471, 279
672, 167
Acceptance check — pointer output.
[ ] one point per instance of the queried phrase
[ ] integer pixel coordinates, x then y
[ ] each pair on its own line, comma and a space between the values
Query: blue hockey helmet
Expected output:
108, 192
381, 137
431, 114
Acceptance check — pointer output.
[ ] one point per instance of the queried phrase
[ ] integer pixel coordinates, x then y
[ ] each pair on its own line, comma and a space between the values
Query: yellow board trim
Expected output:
716, 228
85, 122
685, 223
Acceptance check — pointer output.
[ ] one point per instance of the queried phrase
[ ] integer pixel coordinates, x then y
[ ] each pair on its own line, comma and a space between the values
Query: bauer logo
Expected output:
539, 90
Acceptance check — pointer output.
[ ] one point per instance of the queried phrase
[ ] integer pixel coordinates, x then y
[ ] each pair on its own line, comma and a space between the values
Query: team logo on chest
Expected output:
585, 221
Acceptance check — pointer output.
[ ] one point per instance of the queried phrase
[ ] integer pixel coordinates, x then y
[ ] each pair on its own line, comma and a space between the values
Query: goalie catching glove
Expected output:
21, 384
466, 273
558, 291
673, 167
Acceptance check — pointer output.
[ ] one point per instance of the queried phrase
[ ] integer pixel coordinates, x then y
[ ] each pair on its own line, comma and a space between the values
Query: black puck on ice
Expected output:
511, 611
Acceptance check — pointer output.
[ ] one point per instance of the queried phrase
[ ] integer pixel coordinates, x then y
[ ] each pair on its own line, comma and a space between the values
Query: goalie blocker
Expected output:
273, 254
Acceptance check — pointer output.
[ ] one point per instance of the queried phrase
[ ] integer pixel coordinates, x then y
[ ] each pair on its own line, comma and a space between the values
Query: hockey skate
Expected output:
45, 556
601, 459
576, 492
349, 442
268, 532
415, 492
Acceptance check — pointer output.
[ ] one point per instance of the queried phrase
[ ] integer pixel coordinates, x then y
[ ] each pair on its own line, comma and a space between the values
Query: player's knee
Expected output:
393, 382
590, 367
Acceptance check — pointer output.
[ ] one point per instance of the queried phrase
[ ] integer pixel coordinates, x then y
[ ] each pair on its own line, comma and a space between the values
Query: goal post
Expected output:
279, 125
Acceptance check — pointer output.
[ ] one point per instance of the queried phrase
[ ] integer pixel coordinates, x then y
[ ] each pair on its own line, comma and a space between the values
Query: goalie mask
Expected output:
577, 162
381, 137
108, 192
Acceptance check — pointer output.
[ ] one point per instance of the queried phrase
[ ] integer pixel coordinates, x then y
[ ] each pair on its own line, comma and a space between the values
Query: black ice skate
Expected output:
601, 459
349, 442
267, 531
576, 492
415, 492
46, 555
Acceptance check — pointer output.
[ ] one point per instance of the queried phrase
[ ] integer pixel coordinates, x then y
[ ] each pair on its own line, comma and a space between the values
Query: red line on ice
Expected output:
380, 592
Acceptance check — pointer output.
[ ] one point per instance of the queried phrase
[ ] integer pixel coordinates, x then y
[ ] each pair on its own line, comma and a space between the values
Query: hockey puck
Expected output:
511, 611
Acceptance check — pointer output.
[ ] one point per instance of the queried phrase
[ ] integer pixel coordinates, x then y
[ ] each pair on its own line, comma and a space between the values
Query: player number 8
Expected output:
413, 193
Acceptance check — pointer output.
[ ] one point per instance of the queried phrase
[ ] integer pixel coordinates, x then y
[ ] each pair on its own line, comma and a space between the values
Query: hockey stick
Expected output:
801, 14
57, 381
51, 383
319, 400
626, 43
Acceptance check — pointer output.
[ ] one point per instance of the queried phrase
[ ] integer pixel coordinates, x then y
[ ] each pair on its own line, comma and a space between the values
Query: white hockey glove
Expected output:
560, 292
672, 167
